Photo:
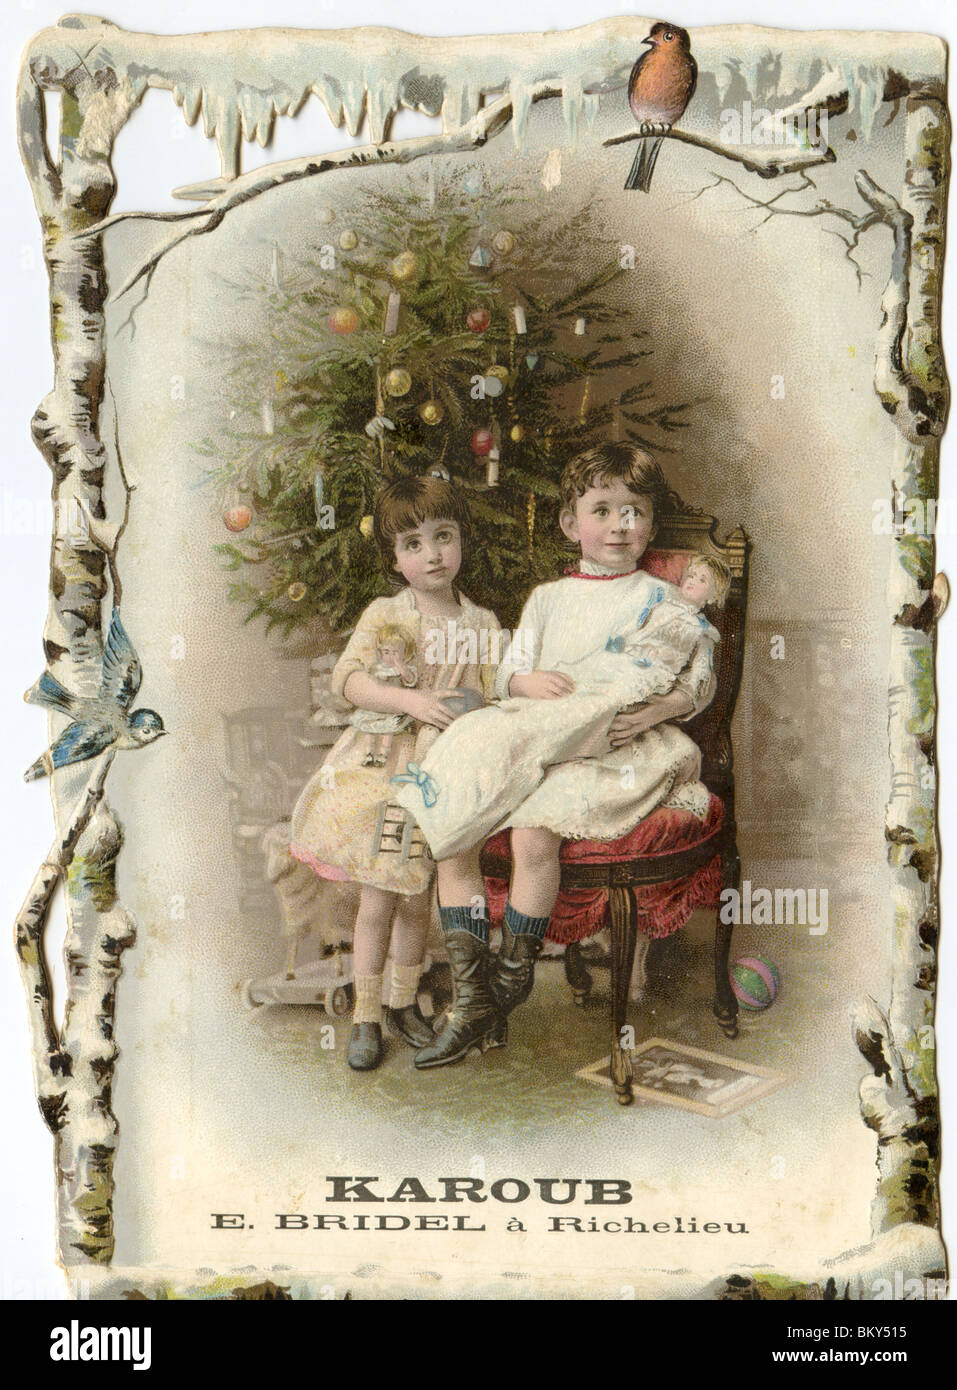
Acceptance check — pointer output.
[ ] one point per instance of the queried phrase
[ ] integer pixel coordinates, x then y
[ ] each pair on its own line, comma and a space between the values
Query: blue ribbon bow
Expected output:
414, 774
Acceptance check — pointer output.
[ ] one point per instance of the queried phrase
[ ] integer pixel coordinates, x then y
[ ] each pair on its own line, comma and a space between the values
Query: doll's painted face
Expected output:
429, 557
389, 654
612, 524
698, 585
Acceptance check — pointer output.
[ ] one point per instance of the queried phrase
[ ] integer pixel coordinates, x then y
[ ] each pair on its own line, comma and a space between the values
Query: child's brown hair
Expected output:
404, 505
719, 573
637, 468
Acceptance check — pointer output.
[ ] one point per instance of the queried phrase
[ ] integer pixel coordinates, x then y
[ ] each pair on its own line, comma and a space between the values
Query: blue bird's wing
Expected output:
77, 743
49, 693
122, 673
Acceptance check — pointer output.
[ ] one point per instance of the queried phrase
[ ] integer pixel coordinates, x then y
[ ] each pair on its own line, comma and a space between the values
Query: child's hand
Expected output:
428, 708
541, 685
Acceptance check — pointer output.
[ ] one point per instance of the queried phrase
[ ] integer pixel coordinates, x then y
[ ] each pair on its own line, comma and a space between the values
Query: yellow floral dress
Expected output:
346, 823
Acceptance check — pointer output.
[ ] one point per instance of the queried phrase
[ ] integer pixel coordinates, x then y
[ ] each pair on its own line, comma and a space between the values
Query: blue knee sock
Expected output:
461, 919
520, 925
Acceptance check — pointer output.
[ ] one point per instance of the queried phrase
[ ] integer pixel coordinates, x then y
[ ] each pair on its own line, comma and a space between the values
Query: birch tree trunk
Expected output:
899, 1101
74, 1068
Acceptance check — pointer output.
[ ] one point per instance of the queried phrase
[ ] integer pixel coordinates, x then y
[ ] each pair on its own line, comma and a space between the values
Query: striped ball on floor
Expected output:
755, 982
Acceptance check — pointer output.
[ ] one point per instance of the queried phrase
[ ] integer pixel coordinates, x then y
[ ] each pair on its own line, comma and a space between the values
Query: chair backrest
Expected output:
679, 537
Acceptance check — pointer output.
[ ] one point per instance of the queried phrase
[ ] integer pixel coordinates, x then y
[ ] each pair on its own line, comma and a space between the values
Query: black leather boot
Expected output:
513, 969
473, 1019
409, 1024
365, 1047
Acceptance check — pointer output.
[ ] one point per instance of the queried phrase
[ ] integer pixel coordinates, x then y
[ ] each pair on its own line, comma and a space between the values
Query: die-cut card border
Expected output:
482, 88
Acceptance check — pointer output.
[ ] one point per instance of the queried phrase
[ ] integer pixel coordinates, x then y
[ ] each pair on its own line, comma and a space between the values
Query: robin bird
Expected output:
100, 721
661, 84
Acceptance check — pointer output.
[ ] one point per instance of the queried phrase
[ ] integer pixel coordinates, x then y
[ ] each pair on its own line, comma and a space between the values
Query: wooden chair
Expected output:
682, 535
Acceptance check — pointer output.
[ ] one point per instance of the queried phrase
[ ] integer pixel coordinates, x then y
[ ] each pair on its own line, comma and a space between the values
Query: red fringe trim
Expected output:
663, 908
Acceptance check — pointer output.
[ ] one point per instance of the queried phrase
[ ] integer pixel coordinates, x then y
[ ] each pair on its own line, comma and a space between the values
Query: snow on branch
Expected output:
768, 163
241, 80
916, 412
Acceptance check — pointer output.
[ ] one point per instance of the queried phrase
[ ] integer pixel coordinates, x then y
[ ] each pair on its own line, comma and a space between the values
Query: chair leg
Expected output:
725, 1003
579, 980
624, 932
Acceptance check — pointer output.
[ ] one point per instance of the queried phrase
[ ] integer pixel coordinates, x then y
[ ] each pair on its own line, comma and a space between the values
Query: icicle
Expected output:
572, 99
491, 470
871, 96
353, 104
590, 107
521, 105
518, 313
461, 104
850, 78
580, 328
552, 170
268, 418
275, 272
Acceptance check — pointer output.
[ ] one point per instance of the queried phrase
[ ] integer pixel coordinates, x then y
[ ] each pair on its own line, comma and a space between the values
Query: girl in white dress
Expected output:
612, 497
490, 761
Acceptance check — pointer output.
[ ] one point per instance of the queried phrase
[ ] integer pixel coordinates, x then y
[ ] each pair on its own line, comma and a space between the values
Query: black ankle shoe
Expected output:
513, 970
473, 1019
409, 1024
365, 1047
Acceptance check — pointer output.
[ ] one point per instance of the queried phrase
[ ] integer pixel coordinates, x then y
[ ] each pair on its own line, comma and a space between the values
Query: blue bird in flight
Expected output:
100, 721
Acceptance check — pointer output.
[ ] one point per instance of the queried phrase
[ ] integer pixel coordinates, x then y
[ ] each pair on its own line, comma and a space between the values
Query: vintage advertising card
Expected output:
490, 663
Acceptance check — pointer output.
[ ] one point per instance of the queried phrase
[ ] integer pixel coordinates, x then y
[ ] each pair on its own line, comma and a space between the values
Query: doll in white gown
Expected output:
660, 639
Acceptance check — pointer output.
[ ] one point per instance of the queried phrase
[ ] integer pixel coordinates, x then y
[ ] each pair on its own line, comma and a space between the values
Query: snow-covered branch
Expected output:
768, 162
490, 121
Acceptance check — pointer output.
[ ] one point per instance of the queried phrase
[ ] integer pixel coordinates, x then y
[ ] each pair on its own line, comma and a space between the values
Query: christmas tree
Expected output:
437, 327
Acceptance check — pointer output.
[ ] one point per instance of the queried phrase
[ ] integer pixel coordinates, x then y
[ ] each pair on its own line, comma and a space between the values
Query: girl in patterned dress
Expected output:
345, 824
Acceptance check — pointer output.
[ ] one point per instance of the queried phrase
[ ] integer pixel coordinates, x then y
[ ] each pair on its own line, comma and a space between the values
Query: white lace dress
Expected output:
547, 763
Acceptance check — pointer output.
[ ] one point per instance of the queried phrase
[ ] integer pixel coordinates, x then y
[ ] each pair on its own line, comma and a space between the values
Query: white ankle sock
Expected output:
405, 981
368, 1008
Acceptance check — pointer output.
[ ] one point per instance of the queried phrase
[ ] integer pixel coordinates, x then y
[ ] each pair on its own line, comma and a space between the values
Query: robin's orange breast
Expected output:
661, 86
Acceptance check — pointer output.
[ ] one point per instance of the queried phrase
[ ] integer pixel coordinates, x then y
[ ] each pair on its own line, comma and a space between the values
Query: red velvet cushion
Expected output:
662, 908
665, 831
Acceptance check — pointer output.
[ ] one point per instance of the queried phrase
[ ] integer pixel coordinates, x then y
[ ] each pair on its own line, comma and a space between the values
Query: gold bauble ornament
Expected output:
405, 265
365, 527
348, 241
504, 243
398, 381
516, 434
499, 373
296, 591
432, 412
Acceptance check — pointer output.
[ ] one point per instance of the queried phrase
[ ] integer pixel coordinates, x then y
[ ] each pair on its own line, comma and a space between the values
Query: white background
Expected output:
27, 1267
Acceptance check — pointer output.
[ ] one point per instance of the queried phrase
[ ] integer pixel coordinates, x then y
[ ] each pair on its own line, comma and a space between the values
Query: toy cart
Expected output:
327, 982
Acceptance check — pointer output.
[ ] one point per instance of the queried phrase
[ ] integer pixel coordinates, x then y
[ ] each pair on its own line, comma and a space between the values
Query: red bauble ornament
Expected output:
482, 442
237, 518
343, 320
478, 320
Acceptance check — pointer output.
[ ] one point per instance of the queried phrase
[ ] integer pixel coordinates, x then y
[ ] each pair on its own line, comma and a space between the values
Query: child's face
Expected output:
698, 585
389, 654
612, 524
429, 557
